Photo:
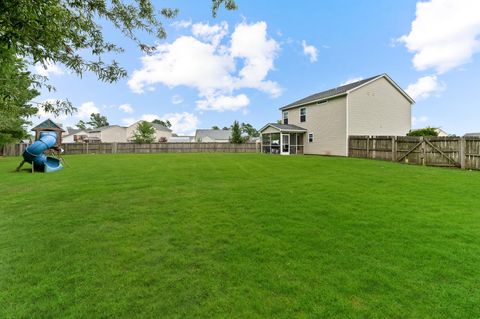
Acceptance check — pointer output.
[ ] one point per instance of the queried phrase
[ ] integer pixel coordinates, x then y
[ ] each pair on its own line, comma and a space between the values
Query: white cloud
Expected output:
419, 121
149, 117
86, 109
203, 63
424, 87
444, 34
223, 103
182, 24
177, 99
48, 69
182, 123
310, 51
251, 43
127, 108
210, 33
83, 113
351, 80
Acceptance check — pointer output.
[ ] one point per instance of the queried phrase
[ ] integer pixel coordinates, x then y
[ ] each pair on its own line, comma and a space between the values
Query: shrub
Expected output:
427, 131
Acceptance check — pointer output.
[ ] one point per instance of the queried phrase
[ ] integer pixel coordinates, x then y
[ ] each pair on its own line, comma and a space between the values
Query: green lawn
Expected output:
238, 235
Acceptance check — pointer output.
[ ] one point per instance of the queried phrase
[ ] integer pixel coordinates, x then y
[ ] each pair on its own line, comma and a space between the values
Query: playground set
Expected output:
45, 154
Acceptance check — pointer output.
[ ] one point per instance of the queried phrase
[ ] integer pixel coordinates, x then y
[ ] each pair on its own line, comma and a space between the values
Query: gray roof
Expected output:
71, 130
472, 134
285, 127
102, 128
330, 93
213, 134
160, 127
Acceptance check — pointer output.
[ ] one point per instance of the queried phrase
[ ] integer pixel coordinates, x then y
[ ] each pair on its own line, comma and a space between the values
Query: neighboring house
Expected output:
181, 139
162, 133
108, 134
322, 122
113, 133
441, 132
210, 135
472, 135
74, 135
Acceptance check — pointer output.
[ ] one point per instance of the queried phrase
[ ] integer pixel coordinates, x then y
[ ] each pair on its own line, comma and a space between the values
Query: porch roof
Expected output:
284, 128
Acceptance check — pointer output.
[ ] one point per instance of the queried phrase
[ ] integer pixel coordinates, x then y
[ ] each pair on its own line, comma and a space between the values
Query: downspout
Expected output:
346, 128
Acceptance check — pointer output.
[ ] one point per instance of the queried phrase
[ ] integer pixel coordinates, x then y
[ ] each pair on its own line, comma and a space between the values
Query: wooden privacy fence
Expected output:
461, 152
107, 148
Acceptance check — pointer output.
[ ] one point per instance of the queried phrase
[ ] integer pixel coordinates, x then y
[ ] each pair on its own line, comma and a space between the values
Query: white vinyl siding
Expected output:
378, 108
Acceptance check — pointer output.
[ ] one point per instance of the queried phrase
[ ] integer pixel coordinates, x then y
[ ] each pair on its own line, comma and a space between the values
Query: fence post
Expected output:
423, 150
368, 146
462, 154
114, 147
394, 148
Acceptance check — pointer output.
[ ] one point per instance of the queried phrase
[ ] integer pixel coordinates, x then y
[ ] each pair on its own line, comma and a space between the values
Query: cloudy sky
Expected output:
245, 64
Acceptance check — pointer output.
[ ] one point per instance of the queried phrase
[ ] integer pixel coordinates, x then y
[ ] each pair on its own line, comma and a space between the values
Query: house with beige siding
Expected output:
321, 123
162, 133
115, 133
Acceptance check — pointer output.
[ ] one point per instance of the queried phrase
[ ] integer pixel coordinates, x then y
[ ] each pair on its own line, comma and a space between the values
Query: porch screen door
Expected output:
285, 144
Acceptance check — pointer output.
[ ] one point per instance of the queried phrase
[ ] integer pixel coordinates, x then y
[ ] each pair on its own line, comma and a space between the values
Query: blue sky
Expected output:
247, 63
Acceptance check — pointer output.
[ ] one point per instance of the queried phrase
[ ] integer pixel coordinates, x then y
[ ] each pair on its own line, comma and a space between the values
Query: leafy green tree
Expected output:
70, 31
427, 131
236, 134
249, 130
164, 123
145, 133
18, 88
215, 128
82, 125
225, 128
96, 120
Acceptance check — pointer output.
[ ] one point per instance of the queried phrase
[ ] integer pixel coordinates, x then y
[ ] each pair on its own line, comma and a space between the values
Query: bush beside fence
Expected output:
461, 152
113, 148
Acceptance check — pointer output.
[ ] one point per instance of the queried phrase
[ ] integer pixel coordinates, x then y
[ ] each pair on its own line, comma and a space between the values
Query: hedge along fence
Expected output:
113, 148
461, 152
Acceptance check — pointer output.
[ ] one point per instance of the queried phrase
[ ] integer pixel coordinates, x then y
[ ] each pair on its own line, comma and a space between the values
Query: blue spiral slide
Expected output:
34, 153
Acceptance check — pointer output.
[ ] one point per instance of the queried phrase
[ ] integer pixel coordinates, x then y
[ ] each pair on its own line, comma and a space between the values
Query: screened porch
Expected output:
282, 139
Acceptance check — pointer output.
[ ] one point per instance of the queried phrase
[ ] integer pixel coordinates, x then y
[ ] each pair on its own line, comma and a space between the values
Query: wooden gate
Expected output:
431, 151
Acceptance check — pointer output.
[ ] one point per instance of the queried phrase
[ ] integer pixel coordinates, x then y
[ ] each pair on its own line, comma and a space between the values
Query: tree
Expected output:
145, 133
249, 130
236, 134
96, 120
427, 131
164, 123
18, 88
70, 32
82, 125
215, 128
225, 128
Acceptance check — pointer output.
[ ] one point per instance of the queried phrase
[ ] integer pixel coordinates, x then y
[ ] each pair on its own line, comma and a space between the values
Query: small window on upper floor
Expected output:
285, 117
303, 114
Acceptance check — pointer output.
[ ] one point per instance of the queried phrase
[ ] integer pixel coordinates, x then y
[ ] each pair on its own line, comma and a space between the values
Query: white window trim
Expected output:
313, 137
300, 114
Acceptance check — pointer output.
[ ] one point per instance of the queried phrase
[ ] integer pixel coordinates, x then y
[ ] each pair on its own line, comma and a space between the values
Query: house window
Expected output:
303, 114
285, 117
310, 137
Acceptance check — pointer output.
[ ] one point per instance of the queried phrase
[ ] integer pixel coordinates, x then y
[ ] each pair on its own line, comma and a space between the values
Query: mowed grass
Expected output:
238, 236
